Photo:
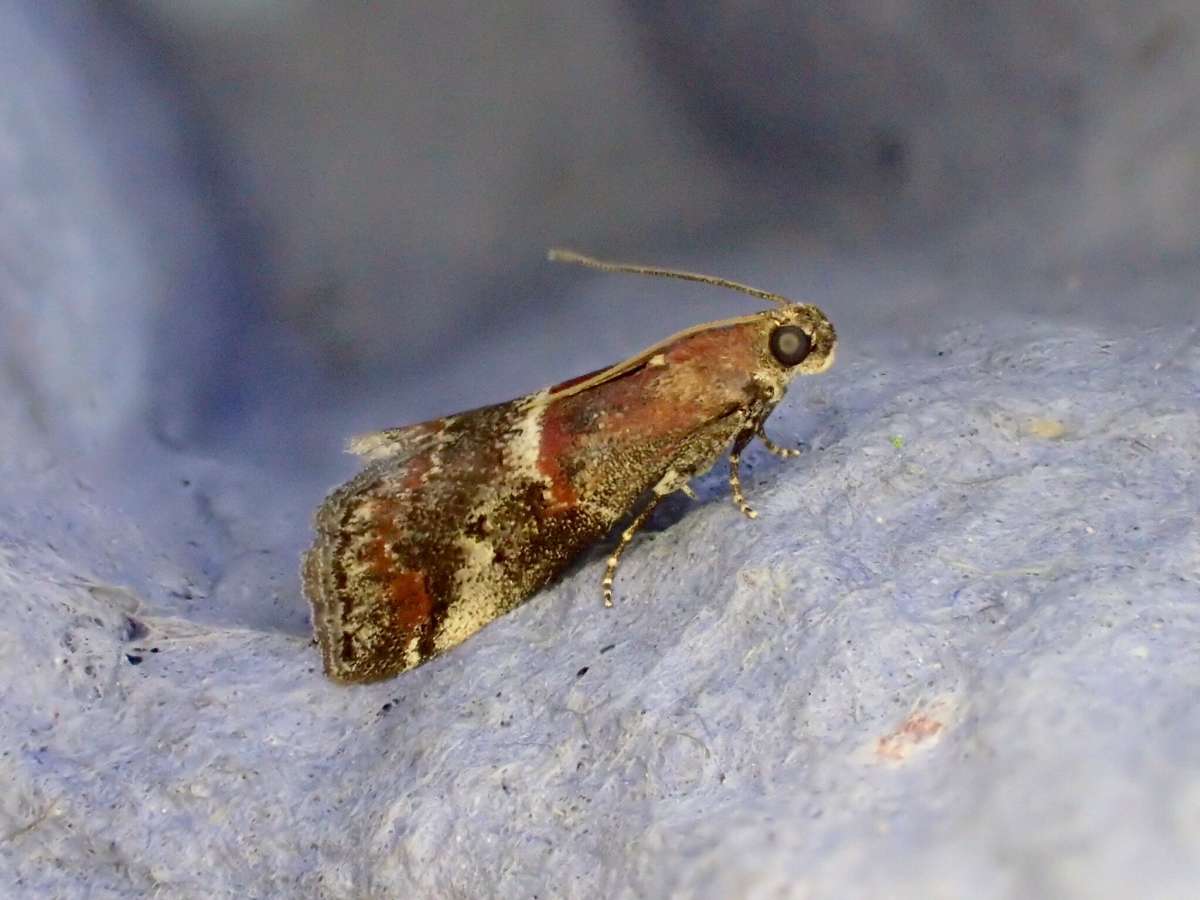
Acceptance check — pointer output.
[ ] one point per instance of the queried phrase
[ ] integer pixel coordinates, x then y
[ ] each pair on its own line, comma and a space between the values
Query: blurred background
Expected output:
253, 226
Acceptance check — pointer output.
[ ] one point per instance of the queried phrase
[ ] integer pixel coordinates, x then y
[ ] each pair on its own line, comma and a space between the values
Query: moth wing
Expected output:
412, 440
378, 584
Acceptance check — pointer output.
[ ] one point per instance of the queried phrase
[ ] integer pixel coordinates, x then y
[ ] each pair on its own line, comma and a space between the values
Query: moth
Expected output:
456, 521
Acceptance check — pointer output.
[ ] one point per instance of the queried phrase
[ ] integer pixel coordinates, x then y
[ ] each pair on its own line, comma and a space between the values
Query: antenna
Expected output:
570, 256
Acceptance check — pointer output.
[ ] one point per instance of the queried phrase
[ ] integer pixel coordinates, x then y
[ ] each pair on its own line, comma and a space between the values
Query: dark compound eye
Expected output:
790, 344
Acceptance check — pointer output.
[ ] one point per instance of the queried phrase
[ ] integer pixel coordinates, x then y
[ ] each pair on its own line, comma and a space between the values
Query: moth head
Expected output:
799, 340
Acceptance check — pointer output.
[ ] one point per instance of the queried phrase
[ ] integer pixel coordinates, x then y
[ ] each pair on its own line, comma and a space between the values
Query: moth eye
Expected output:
790, 344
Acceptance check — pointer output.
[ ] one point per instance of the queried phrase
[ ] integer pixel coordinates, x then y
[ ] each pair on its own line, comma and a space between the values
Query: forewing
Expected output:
381, 571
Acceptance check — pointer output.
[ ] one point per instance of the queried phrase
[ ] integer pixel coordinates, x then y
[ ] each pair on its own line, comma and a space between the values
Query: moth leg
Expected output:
639, 520
735, 477
772, 447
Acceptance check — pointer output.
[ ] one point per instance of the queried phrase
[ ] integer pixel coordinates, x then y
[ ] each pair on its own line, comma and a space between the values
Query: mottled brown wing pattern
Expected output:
409, 562
455, 521
379, 576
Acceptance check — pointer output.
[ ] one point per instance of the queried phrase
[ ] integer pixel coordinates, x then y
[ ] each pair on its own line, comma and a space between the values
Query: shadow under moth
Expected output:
453, 522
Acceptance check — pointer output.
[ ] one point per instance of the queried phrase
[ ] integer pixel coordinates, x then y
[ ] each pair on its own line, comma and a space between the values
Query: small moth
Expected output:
454, 522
